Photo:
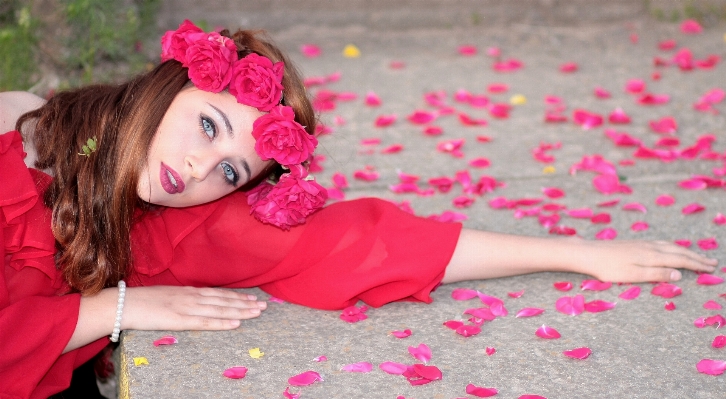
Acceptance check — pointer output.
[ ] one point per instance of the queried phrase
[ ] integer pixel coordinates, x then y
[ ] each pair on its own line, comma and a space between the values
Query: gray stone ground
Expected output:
639, 349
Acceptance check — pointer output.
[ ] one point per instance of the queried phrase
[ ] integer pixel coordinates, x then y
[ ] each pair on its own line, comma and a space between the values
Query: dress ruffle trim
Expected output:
23, 217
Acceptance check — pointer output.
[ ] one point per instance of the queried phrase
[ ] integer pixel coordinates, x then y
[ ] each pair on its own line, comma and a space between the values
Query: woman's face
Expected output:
203, 150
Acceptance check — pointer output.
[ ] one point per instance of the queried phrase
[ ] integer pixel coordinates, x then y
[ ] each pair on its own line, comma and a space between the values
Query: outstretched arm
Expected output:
482, 255
163, 308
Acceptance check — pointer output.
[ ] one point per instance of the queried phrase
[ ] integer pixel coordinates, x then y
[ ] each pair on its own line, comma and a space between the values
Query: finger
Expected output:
677, 249
231, 302
656, 274
225, 293
210, 324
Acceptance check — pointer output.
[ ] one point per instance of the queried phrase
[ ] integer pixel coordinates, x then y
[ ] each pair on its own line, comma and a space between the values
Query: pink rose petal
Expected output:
664, 125
385, 120
598, 305
603, 218
421, 352
708, 244
669, 306
289, 395
601, 93
711, 367
639, 226
401, 334
610, 203
595, 285
692, 208
712, 305
467, 50
431, 373
618, 116
490, 351
571, 305
665, 200
235, 372
719, 219
304, 379
393, 368
635, 86
531, 397
354, 314
529, 312
517, 294
547, 332
453, 324
553, 192
321, 358
166, 340
479, 163
719, 341
578, 353
683, 243
372, 99
422, 117
563, 285
568, 67
635, 206
467, 331
463, 294
480, 392
691, 27
631, 293
360, 367
717, 320
310, 50
708, 279
666, 290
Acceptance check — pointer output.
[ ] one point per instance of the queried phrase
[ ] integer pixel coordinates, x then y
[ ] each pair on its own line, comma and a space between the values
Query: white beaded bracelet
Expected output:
119, 311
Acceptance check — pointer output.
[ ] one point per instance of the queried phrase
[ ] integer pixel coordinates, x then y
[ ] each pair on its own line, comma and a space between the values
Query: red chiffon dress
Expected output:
364, 249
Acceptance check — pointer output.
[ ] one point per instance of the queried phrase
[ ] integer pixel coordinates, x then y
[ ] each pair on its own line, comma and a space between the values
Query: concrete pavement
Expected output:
639, 349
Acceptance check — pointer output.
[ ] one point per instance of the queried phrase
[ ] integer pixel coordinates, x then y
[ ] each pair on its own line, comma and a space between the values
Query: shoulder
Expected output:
13, 104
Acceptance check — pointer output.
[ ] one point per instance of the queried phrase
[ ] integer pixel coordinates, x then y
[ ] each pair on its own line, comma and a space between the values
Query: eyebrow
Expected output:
230, 132
222, 115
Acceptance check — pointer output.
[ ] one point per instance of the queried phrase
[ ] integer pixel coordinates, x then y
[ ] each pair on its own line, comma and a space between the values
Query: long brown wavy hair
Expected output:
94, 198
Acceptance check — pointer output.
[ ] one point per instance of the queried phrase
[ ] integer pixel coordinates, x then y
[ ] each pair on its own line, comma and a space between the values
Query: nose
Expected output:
200, 166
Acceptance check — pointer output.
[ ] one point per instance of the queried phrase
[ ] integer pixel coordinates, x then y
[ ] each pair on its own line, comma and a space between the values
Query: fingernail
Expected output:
255, 311
262, 304
251, 297
675, 275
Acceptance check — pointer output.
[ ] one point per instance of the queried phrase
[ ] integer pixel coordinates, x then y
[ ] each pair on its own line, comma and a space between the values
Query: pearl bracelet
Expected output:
119, 311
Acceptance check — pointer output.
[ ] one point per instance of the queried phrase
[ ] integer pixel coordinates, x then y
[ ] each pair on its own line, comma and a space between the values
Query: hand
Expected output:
187, 308
638, 261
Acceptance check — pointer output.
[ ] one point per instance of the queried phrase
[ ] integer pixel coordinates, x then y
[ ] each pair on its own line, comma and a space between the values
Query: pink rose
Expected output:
288, 202
210, 62
281, 138
257, 82
174, 44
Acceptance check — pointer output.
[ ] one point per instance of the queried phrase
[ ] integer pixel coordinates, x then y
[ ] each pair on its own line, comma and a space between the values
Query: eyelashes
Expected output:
209, 129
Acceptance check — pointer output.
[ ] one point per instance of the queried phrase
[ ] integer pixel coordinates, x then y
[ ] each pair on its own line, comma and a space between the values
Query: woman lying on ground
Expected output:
194, 175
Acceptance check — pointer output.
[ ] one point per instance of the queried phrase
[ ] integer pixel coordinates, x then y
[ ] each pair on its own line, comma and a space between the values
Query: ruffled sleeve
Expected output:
364, 249
35, 322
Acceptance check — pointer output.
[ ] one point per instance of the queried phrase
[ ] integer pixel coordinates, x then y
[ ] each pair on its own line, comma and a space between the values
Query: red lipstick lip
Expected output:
166, 183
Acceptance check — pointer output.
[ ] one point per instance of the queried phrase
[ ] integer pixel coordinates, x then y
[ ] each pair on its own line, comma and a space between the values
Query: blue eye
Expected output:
230, 174
208, 127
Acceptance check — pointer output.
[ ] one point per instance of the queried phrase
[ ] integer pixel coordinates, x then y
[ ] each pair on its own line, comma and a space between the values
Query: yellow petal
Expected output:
518, 99
351, 51
255, 353
138, 361
549, 169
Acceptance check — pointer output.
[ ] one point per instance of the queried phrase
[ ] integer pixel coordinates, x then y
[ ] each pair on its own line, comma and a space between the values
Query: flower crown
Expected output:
254, 80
